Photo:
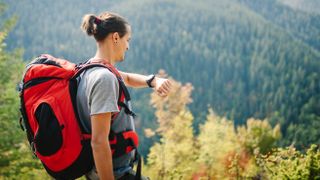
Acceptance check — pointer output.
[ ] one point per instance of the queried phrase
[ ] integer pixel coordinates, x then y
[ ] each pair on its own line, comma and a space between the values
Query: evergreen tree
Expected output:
16, 161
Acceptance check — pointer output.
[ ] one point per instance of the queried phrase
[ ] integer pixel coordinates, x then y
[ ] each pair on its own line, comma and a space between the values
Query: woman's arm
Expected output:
100, 145
134, 80
161, 85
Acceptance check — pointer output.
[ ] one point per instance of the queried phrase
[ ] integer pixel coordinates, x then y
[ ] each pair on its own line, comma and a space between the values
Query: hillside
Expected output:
310, 6
244, 58
299, 24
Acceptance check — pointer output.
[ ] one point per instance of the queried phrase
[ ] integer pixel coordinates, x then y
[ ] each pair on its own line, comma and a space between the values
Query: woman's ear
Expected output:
115, 37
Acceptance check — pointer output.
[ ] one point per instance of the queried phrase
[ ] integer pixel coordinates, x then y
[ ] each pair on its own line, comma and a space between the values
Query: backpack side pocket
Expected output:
48, 138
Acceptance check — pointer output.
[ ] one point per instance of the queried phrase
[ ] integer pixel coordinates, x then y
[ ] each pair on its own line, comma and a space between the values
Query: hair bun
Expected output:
89, 24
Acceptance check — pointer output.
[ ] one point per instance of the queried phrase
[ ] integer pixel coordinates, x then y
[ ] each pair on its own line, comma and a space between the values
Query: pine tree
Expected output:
16, 161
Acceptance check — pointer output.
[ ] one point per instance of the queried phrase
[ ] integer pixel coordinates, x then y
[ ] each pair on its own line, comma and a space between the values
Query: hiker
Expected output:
98, 93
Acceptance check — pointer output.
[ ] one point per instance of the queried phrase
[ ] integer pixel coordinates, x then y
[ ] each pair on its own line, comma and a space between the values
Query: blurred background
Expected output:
252, 63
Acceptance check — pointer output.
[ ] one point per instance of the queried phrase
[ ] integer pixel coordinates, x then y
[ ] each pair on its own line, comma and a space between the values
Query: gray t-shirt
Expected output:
98, 92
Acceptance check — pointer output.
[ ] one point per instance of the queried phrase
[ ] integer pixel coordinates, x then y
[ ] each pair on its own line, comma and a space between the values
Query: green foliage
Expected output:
229, 153
289, 163
218, 152
16, 161
7, 100
217, 140
23, 165
258, 134
221, 150
170, 158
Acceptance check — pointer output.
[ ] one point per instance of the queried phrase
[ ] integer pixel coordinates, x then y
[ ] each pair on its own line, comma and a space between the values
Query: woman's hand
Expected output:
162, 86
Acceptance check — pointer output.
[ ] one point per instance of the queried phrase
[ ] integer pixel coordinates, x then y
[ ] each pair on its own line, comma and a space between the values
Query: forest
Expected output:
246, 73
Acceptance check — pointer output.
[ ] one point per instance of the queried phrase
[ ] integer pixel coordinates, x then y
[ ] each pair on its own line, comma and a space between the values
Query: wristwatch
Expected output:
150, 79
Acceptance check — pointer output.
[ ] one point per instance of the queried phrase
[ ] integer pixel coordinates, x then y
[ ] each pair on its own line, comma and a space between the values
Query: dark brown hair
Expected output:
104, 24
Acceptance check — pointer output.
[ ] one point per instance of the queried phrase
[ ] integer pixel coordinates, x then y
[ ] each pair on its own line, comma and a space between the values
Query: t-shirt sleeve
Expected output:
104, 93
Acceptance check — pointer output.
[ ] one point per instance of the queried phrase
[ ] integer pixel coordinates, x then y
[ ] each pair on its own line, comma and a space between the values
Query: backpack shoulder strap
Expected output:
122, 86
82, 67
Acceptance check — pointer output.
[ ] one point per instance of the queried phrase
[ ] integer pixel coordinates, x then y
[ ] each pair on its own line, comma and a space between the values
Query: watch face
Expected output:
150, 77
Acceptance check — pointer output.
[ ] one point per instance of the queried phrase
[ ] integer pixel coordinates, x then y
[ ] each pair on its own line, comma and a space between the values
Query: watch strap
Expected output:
150, 79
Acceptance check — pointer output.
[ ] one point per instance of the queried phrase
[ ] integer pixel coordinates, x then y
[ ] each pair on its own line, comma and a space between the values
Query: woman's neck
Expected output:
104, 54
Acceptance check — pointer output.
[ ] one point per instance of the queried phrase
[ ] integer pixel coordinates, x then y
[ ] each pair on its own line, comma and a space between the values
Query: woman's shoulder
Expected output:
98, 76
102, 73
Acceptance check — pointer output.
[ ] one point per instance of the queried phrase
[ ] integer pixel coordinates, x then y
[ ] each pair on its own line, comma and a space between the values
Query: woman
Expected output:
98, 91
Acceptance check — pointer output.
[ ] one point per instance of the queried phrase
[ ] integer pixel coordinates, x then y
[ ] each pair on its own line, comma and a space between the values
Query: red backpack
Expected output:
50, 119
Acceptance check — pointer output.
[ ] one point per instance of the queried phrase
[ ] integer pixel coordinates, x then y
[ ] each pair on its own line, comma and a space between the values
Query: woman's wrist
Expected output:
151, 81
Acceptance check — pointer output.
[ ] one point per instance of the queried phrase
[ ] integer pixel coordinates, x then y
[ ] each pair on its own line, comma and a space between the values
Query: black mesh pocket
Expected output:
48, 138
